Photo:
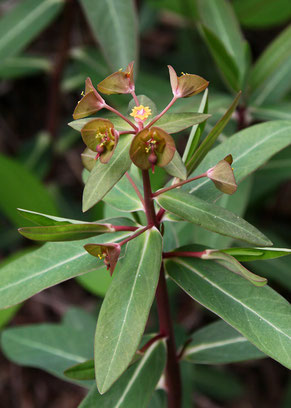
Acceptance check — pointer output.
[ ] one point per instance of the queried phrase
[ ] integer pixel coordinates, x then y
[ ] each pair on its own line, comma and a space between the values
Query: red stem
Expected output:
135, 98
139, 232
135, 188
188, 254
163, 190
162, 113
123, 228
121, 115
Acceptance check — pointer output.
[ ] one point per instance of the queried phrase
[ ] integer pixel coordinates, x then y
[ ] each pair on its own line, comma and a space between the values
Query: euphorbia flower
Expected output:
222, 176
108, 252
187, 84
120, 82
152, 147
101, 137
140, 113
91, 102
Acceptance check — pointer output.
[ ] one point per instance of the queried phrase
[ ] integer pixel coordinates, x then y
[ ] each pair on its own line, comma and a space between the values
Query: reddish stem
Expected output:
148, 200
139, 232
127, 132
121, 115
150, 342
163, 190
160, 214
135, 188
162, 113
188, 254
123, 228
135, 98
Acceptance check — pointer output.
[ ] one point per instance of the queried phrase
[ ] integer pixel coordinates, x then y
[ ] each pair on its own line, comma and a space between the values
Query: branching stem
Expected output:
163, 190
139, 232
138, 193
121, 116
155, 119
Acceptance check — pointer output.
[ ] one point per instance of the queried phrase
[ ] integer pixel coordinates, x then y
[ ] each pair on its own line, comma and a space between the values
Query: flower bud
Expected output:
187, 84
100, 136
152, 147
108, 252
120, 82
222, 176
91, 102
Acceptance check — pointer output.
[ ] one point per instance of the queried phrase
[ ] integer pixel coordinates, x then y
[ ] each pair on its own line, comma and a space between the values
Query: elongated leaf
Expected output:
208, 142
282, 110
19, 27
250, 148
21, 188
70, 232
219, 343
126, 306
176, 167
52, 347
253, 254
23, 65
47, 266
104, 176
96, 282
123, 197
118, 123
114, 25
175, 122
260, 314
126, 392
81, 371
46, 219
211, 217
269, 78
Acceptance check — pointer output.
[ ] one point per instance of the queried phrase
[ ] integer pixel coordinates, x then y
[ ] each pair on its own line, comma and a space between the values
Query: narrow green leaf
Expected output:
104, 176
260, 314
219, 343
126, 392
114, 26
47, 266
208, 142
118, 123
23, 65
81, 371
250, 148
280, 111
46, 219
253, 254
211, 217
126, 306
52, 347
175, 122
26, 20
269, 78
21, 189
96, 282
176, 167
196, 130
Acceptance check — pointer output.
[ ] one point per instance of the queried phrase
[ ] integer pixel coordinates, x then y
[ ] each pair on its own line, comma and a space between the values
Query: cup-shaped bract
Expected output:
152, 147
91, 102
187, 84
108, 252
120, 82
100, 136
222, 176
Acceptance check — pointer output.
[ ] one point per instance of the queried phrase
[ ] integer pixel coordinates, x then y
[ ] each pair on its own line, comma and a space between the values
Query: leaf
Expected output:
23, 65
208, 142
47, 266
123, 197
104, 176
81, 371
21, 189
219, 343
176, 167
260, 314
118, 123
114, 26
97, 281
46, 219
26, 20
210, 216
126, 307
126, 392
250, 148
282, 110
269, 78
52, 347
253, 254
175, 122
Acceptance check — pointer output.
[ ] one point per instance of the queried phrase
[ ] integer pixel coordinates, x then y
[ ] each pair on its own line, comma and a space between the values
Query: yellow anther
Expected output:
141, 112
82, 93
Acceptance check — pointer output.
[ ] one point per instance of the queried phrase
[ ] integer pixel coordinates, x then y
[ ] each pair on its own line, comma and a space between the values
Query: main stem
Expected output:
173, 377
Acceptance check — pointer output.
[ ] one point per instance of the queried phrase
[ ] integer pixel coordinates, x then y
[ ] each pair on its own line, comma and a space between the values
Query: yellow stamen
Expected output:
141, 112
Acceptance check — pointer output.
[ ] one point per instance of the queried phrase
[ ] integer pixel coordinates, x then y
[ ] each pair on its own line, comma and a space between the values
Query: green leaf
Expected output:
123, 197
250, 148
260, 14
282, 110
118, 123
260, 314
104, 176
176, 167
26, 20
46, 219
126, 392
52, 347
208, 142
47, 266
97, 281
23, 65
211, 217
114, 26
219, 343
81, 371
21, 189
253, 254
196, 130
269, 78
126, 307
175, 122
